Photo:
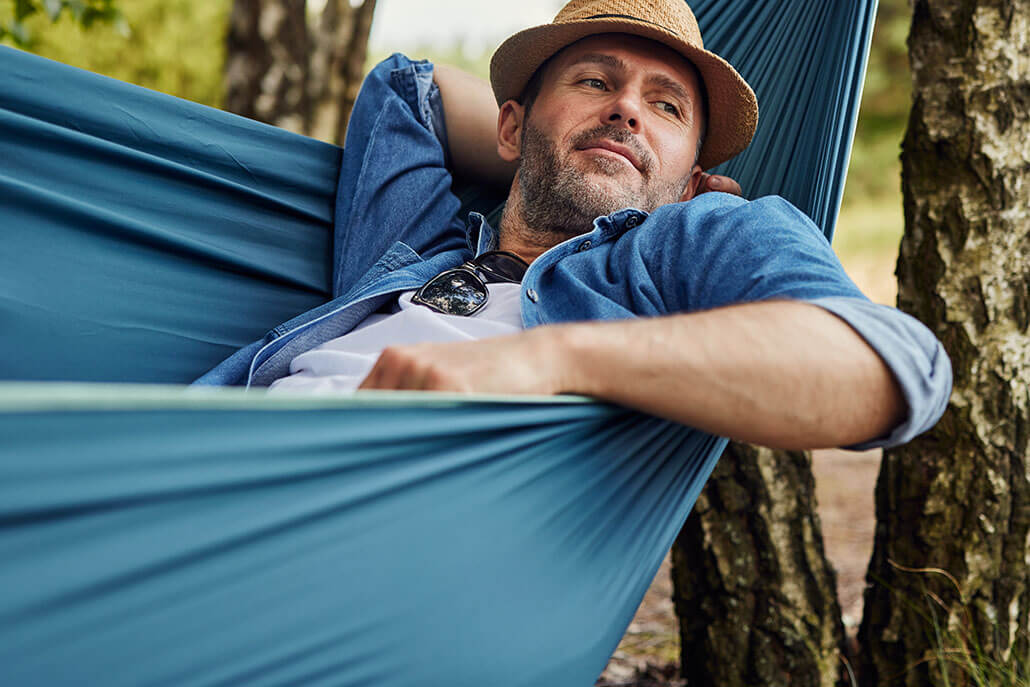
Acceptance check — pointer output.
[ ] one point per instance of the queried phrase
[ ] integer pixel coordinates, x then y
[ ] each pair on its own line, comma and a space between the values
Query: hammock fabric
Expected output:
154, 535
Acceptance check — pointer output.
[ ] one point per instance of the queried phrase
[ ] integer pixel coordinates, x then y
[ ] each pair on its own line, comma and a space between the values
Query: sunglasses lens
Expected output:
455, 292
502, 264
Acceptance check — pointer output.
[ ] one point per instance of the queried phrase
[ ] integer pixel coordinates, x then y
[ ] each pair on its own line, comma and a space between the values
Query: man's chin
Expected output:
608, 190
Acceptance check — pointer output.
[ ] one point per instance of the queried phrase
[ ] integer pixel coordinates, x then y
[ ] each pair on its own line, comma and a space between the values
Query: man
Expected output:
729, 316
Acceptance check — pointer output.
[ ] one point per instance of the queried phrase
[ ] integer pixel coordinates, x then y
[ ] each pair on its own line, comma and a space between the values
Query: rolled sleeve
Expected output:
766, 250
912, 353
394, 184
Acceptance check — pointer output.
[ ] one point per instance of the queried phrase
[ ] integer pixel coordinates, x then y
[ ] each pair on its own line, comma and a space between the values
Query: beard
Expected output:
560, 199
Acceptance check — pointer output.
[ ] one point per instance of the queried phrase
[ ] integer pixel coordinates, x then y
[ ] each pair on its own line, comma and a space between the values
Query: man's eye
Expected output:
670, 108
594, 83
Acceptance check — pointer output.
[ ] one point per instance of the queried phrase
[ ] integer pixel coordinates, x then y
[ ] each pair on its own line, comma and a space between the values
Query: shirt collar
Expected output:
482, 237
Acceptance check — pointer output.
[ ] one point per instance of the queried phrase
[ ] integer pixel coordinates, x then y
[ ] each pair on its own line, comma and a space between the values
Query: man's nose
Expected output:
623, 112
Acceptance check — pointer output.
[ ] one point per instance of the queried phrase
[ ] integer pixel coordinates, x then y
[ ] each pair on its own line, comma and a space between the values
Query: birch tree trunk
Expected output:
337, 66
266, 66
295, 69
956, 500
755, 595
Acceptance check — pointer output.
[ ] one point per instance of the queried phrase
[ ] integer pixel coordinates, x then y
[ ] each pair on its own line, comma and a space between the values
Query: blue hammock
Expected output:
155, 535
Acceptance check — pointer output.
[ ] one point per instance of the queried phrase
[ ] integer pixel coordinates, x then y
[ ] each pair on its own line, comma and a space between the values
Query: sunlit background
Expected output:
477, 26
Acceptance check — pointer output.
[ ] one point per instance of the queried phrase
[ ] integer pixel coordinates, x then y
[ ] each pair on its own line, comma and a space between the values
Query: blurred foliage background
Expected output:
174, 46
178, 46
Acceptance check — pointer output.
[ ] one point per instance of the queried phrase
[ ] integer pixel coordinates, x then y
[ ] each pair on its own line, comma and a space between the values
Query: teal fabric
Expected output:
164, 536
146, 237
169, 537
806, 62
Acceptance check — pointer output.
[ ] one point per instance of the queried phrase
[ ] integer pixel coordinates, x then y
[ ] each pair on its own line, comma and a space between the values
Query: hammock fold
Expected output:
160, 535
372, 540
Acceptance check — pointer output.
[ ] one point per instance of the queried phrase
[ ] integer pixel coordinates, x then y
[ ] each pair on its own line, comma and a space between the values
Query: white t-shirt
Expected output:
341, 364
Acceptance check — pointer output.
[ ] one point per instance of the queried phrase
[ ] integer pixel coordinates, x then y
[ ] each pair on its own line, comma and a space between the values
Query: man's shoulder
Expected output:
724, 217
726, 204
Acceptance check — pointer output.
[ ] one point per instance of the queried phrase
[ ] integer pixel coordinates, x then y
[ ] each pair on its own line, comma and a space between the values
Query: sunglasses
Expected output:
462, 290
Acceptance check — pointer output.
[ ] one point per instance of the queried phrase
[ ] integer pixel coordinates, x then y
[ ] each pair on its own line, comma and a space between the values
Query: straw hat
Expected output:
732, 106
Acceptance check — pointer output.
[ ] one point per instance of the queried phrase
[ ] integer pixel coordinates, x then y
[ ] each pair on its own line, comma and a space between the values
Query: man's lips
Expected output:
613, 147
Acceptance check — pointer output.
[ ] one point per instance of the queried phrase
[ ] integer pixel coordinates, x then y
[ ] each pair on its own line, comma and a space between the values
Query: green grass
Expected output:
958, 651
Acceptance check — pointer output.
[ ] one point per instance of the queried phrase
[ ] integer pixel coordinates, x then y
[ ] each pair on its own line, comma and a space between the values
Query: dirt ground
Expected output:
649, 653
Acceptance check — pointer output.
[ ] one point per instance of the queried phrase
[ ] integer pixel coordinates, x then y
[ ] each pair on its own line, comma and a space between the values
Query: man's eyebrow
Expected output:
600, 58
672, 86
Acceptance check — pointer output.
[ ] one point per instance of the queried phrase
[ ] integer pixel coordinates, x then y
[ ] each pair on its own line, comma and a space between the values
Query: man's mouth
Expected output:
611, 146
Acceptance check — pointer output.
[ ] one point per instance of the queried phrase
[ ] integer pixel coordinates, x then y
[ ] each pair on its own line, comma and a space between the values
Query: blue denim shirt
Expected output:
397, 225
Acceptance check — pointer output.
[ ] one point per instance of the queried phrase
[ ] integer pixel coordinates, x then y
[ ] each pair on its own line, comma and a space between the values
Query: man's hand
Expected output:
714, 182
518, 364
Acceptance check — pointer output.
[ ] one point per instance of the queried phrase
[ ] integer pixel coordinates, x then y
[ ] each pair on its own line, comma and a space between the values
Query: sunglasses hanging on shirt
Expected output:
463, 290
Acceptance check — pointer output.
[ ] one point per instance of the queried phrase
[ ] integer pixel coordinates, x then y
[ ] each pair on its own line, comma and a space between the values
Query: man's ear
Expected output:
509, 131
693, 184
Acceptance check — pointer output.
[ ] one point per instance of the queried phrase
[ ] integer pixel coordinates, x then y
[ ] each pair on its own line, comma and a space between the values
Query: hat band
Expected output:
629, 16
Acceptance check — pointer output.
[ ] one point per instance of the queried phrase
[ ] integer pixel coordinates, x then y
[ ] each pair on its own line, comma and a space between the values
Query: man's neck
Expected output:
516, 236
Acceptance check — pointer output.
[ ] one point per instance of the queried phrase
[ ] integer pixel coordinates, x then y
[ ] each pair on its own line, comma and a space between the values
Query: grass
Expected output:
957, 647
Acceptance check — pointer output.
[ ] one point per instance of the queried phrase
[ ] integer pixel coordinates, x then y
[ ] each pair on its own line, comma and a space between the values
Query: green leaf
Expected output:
22, 9
53, 8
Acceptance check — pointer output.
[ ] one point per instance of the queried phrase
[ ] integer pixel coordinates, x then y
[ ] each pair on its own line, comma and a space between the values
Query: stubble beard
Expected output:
560, 200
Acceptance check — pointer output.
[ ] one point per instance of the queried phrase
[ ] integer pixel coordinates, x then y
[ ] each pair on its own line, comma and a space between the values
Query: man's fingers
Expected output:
386, 373
371, 381
716, 182
464, 367
727, 185
395, 369
402, 369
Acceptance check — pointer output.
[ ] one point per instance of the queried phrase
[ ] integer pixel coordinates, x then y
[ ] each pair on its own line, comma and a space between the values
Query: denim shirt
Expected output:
397, 225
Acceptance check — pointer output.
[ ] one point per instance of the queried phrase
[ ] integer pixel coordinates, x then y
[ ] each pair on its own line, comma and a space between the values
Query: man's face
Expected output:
615, 125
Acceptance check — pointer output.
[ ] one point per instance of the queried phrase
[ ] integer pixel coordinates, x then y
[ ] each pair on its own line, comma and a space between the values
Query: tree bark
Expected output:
338, 65
755, 595
956, 499
294, 70
266, 67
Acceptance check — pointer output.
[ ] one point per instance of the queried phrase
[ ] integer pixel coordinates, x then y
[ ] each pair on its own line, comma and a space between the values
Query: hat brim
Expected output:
732, 106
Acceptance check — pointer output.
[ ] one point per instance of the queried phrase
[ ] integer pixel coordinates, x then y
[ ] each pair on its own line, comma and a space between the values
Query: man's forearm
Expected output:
779, 374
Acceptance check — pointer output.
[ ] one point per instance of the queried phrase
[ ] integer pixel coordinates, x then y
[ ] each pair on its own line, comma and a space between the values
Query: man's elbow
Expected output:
913, 399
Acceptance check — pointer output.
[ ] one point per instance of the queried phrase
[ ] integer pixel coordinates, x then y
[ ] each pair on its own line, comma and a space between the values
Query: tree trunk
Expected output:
295, 70
755, 595
338, 65
266, 67
956, 500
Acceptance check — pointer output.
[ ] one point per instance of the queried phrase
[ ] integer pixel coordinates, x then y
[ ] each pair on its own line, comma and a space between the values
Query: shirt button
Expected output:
584, 246
632, 221
532, 295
